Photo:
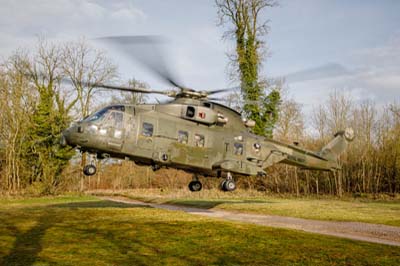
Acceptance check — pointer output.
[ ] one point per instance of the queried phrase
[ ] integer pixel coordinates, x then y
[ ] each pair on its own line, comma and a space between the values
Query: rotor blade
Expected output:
146, 50
217, 99
222, 90
170, 93
127, 88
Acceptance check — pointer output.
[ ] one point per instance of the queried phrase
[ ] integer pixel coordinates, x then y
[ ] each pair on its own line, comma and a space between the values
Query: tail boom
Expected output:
324, 160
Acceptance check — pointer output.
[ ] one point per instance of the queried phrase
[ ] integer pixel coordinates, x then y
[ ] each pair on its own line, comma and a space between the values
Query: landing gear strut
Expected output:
228, 184
195, 184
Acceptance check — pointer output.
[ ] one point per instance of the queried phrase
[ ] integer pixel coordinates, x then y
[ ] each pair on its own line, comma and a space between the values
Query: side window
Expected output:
147, 129
190, 111
183, 136
199, 140
238, 148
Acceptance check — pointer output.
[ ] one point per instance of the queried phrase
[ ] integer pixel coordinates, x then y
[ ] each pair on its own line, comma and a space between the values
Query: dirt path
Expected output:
376, 233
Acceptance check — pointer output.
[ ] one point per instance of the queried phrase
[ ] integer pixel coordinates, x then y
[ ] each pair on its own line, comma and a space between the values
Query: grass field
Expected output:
74, 230
333, 209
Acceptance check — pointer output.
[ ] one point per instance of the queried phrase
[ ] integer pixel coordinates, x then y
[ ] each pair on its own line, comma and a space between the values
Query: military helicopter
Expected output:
193, 132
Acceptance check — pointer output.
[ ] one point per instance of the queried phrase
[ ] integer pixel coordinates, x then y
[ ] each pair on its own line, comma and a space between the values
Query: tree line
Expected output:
37, 105
371, 163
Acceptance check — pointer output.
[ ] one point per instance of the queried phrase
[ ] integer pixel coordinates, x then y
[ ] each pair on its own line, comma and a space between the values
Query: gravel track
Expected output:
375, 233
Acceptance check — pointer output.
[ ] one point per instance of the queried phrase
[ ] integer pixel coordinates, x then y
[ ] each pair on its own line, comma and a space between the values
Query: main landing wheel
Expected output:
195, 186
228, 185
89, 170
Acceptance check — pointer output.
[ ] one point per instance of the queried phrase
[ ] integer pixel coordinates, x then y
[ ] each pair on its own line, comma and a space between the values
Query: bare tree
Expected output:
319, 121
17, 101
290, 125
234, 101
395, 109
85, 66
134, 97
339, 110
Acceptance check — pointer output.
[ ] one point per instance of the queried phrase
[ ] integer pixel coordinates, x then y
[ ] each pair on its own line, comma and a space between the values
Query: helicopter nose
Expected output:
63, 140
74, 135
64, 137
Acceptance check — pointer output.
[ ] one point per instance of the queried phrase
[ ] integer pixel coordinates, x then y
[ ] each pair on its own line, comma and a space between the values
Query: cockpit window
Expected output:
114, 119
100, 115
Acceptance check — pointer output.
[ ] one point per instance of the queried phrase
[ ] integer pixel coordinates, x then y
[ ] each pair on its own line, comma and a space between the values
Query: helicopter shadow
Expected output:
98, 204
28, 243
210, 204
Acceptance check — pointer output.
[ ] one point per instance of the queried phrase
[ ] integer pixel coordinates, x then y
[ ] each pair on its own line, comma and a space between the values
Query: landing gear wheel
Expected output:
195, 186
228, 185
89, 169
222, 185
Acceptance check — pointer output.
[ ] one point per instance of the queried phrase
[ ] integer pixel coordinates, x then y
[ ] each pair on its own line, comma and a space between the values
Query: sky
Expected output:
318, 45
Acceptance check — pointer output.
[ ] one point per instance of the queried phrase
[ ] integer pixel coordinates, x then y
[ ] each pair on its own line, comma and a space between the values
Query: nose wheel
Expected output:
228, 184
89, 169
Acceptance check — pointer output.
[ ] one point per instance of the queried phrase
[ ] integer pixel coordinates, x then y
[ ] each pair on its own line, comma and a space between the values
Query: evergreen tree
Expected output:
45, 154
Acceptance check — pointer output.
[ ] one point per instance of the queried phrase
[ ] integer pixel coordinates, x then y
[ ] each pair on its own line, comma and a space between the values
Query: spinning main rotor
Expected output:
146, 50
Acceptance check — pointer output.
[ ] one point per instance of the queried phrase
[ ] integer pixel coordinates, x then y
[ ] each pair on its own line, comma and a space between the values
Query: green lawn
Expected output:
87, 231
348, 209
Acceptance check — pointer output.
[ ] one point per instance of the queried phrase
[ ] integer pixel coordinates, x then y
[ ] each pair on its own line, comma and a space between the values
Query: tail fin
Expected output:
335, 147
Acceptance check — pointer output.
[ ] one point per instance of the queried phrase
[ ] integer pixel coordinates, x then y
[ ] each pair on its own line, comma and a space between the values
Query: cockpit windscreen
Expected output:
100, 115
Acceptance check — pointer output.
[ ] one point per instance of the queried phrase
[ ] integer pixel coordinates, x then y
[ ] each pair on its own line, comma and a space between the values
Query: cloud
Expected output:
324, 71
379, 70
386, 56
369, 73
64, 19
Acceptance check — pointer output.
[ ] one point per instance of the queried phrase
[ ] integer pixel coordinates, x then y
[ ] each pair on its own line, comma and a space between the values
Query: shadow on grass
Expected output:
209, 204
63, 234
98, 204
28, 244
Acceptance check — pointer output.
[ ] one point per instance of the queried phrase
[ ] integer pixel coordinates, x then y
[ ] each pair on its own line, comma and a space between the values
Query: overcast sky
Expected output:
319, 44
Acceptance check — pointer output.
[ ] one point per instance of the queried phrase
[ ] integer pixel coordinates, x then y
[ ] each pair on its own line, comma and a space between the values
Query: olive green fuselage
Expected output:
198, 136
